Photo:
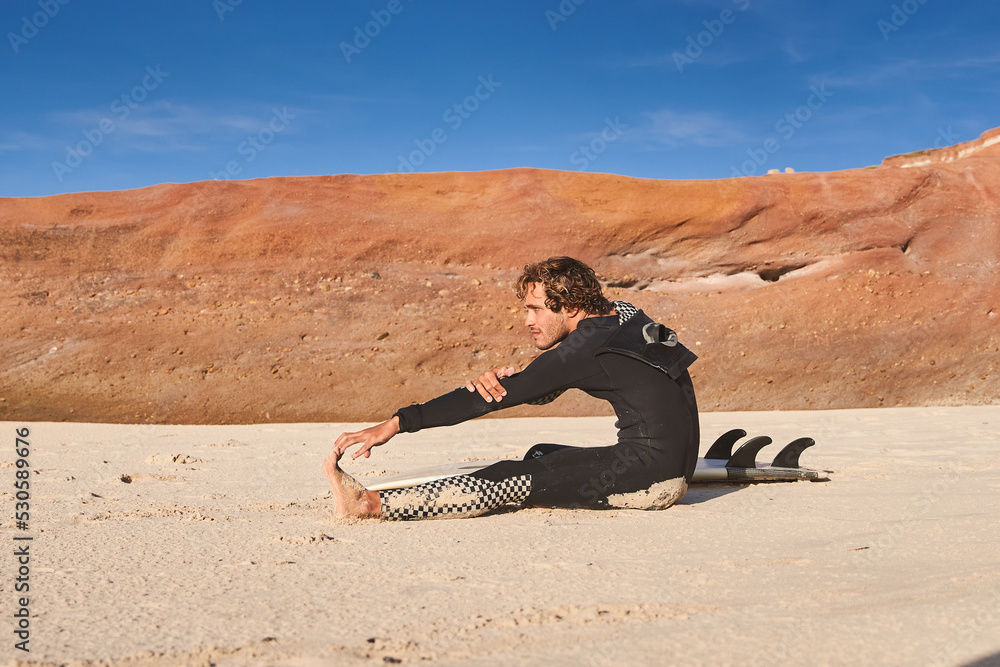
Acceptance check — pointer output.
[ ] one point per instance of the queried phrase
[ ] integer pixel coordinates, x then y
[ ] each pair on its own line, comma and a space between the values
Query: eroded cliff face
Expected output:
341, 298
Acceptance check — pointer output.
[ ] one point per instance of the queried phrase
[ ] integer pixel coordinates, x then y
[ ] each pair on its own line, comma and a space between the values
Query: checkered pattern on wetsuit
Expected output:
625, 310
465, 496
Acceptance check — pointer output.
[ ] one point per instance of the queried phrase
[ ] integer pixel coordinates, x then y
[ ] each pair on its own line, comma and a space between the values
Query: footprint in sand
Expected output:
182, 459
311, 539
228, 443
146, 477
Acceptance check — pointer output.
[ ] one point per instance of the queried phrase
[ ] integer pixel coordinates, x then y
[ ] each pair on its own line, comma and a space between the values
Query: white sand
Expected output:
223, 550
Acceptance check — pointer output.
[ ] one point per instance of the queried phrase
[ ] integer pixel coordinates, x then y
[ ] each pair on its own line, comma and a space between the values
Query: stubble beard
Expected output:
547, 341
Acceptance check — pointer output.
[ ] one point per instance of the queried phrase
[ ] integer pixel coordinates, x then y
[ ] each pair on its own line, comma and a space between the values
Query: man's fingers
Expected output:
490, 391
483, 392
341, 443
346, 440
488, 384
365, 450
493, 385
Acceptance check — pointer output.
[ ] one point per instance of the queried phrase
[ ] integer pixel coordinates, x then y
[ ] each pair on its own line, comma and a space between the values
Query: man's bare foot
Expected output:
350, 498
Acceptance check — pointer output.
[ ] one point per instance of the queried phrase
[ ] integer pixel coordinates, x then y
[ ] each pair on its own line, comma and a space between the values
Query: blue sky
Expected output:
117, 95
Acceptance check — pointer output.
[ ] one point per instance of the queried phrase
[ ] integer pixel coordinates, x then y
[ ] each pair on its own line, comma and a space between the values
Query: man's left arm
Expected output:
546, 374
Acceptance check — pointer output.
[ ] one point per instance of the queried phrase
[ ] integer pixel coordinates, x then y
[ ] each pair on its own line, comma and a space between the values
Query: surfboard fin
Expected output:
722, 448
788, 457
746, 455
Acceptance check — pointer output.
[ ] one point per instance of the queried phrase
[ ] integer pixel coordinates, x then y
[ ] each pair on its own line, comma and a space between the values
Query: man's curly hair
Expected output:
568, 282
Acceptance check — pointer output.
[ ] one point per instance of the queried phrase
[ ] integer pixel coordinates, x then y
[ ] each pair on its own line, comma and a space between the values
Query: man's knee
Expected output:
659, 496
501, 471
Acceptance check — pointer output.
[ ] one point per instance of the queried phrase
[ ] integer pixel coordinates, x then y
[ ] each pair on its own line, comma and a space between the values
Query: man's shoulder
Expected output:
629, 331
594, 334
643, 339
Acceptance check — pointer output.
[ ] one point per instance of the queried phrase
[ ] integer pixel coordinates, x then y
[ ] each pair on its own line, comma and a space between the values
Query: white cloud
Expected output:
893, 71
794, 55
164, 126
710, 57
25, 141
160, 119
669, 129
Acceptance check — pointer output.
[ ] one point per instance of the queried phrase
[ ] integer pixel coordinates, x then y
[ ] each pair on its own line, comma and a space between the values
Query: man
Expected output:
609, 350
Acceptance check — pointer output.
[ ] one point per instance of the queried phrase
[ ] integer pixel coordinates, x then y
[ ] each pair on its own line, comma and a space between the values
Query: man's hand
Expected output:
488, 384
369, 437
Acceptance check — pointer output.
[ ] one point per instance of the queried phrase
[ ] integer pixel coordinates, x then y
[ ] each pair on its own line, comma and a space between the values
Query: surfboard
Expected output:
720, 464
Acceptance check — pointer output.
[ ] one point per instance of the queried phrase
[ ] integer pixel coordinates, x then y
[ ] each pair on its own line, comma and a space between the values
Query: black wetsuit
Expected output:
608, 357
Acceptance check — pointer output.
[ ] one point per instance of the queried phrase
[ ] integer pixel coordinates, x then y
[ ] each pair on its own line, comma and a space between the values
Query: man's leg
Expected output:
618, 476
459, 496
453, 497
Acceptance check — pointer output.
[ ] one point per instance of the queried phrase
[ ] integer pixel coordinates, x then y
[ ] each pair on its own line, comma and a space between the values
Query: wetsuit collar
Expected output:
601, 322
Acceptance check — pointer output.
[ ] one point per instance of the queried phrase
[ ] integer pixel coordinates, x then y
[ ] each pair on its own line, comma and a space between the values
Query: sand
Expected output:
198, 545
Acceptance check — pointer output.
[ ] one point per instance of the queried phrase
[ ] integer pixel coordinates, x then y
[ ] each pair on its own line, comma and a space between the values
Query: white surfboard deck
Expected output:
424, 475
707, 470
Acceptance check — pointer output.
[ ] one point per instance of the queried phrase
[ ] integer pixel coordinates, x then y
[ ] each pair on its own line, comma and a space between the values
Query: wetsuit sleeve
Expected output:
550, 372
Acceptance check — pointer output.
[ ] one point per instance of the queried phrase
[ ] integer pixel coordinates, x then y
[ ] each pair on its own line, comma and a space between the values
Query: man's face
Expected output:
547, 328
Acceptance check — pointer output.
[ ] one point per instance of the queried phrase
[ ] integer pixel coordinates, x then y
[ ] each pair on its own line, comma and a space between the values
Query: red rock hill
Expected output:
345, 297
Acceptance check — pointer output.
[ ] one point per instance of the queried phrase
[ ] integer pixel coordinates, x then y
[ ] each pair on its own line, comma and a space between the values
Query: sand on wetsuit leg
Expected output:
448, 498
426, 503
659, 496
